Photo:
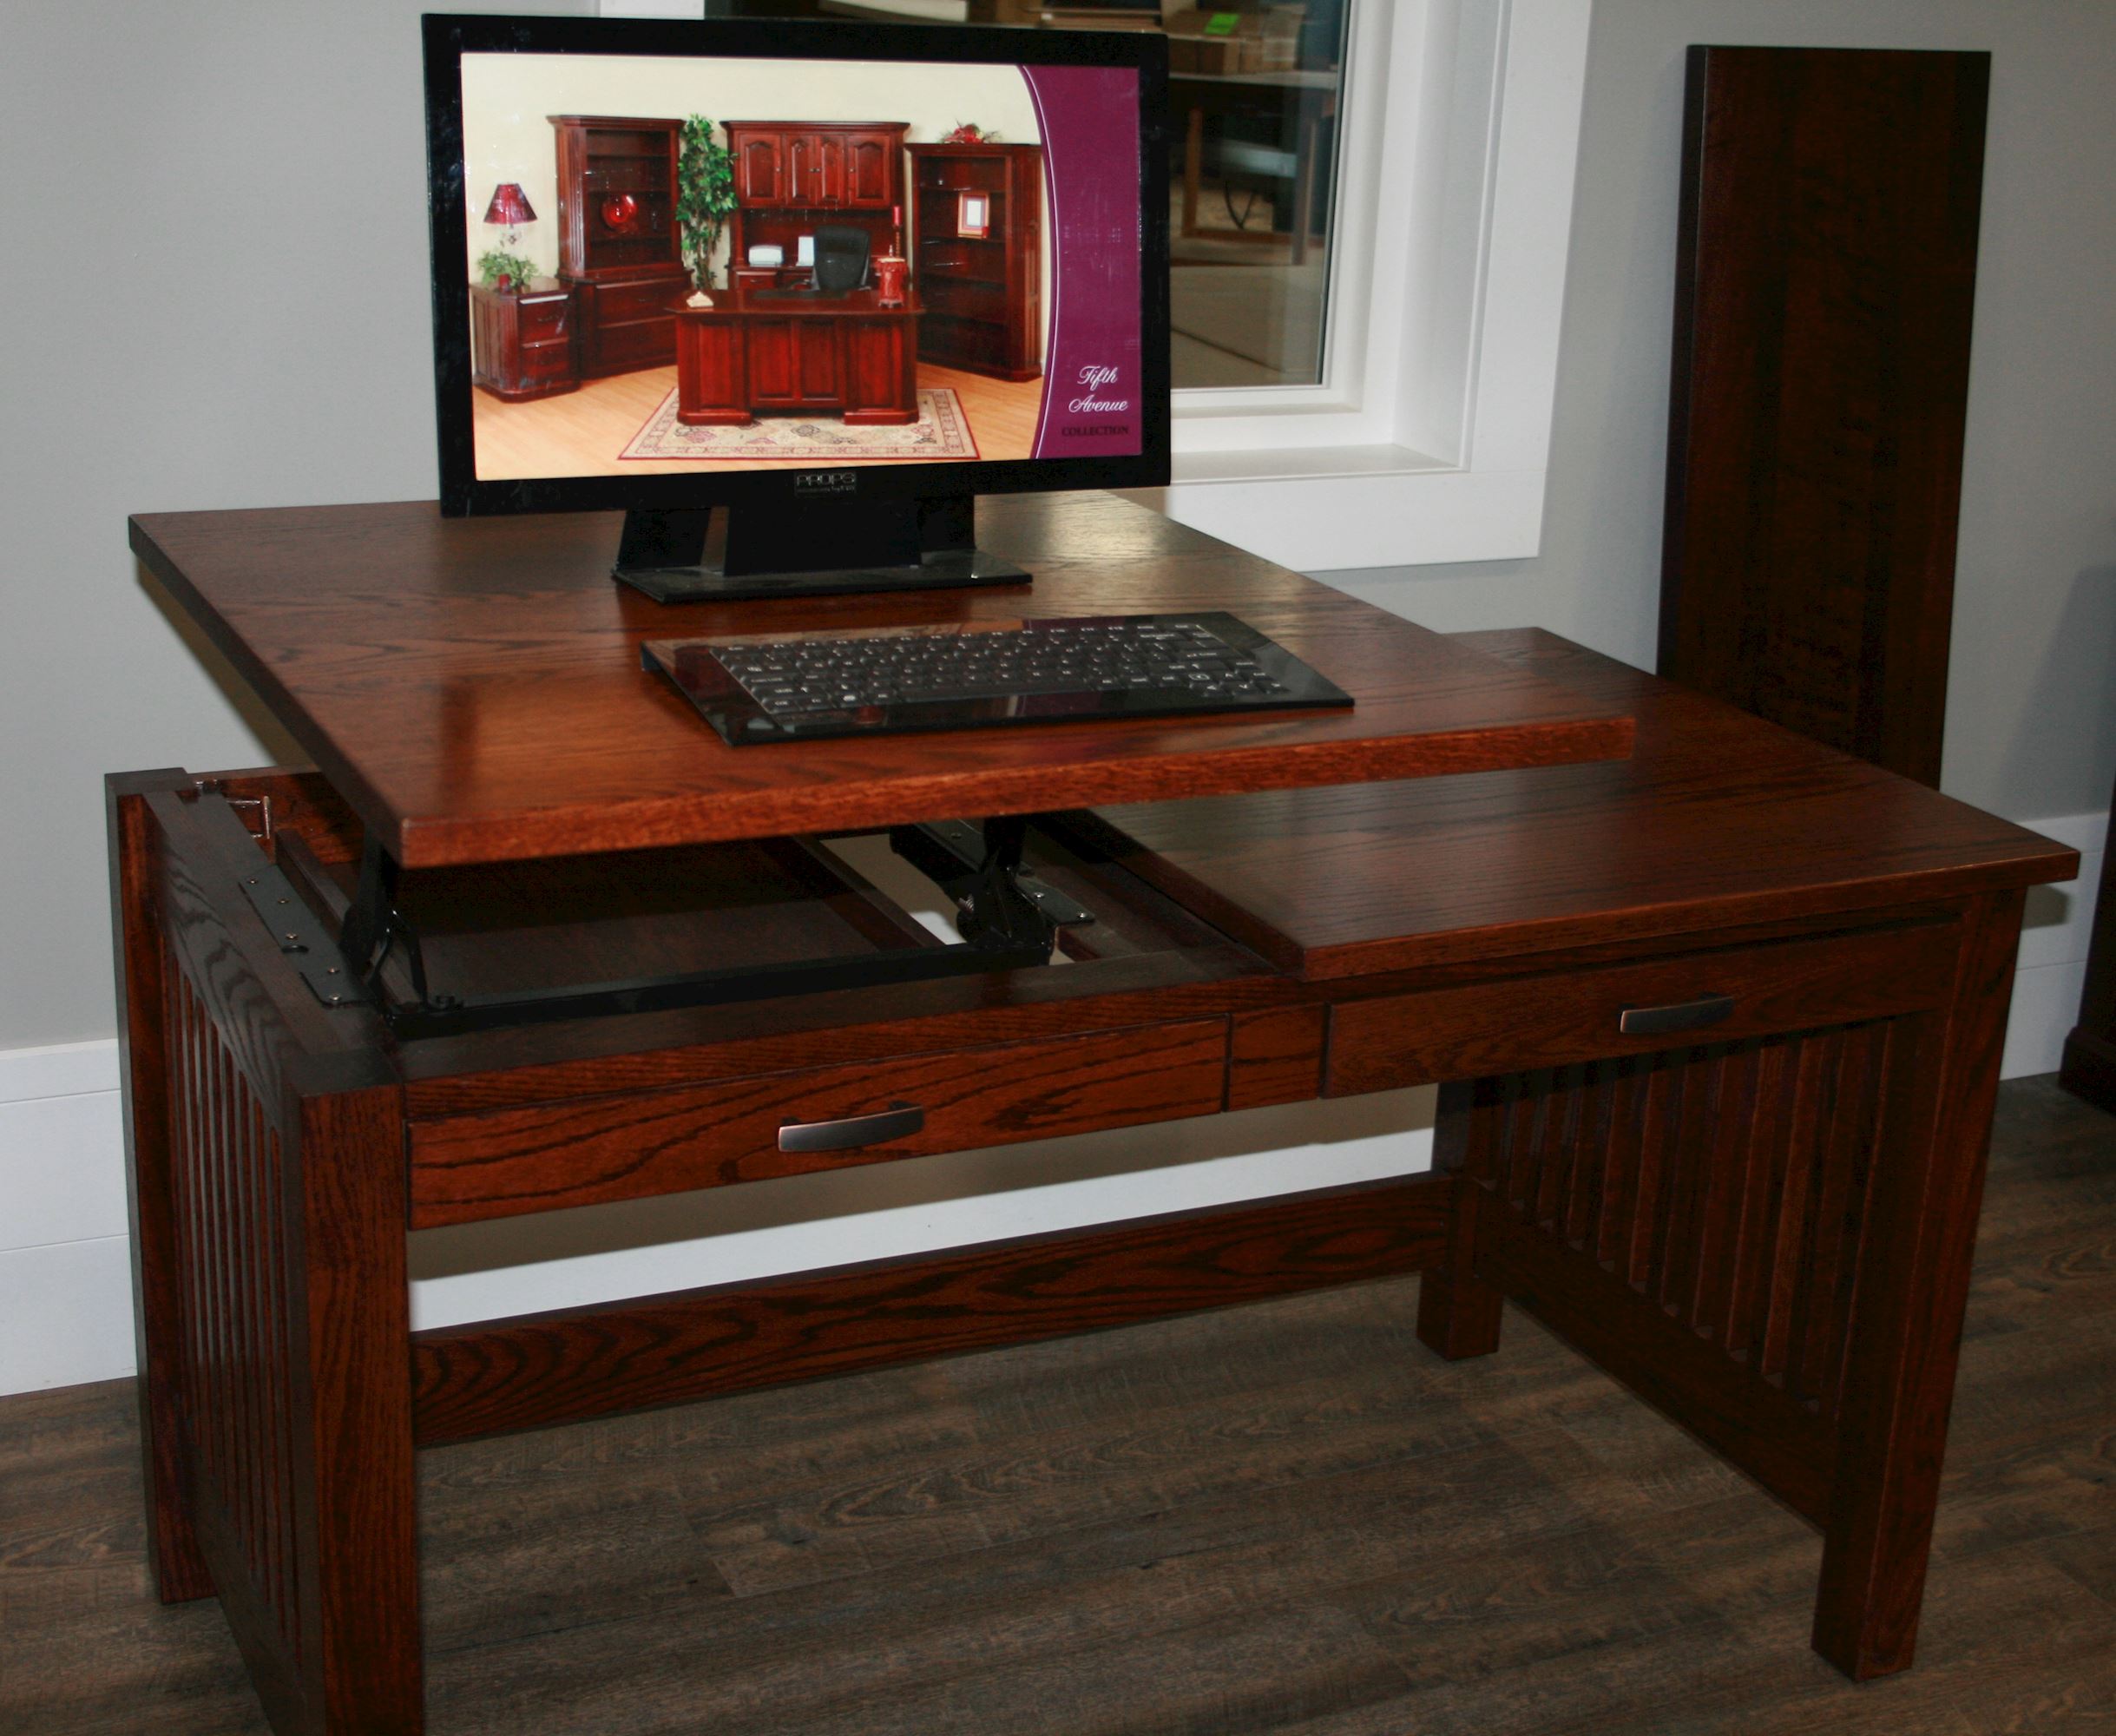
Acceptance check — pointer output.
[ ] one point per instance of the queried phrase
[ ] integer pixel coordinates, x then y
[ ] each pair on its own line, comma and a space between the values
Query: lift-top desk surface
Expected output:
474, 687
1718, 1025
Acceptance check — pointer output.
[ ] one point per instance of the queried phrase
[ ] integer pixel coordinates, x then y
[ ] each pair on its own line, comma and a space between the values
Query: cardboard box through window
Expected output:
1231, 40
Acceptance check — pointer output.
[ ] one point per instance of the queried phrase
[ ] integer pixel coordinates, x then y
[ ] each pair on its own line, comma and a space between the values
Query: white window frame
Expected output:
1459, 133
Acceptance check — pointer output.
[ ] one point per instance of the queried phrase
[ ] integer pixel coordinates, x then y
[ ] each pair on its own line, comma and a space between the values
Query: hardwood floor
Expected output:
581, 433
1286, 1518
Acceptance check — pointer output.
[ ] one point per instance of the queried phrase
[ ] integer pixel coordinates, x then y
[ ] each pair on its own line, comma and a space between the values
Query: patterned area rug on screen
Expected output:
942, 431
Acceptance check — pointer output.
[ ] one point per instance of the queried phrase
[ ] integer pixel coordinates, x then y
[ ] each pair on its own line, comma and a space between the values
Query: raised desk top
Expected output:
472, 687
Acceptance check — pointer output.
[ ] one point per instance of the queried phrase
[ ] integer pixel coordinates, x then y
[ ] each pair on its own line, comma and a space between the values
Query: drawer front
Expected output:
642, 344
971, 300
510, 1162
967, 341
548, 361
1555, 1020
615, 303
545, 317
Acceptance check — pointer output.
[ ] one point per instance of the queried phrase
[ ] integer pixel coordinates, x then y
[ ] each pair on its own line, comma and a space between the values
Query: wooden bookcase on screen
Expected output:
792, 177
617, 240
982, 292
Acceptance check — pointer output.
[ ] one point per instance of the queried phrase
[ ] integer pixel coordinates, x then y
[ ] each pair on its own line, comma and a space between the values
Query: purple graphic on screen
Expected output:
1092, 387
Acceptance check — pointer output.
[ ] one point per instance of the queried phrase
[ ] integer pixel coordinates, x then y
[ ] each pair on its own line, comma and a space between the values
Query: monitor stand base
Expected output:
820, 550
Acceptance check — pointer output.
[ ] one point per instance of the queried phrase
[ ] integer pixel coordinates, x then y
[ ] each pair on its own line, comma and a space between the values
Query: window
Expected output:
1427, 437
1255, 98
1384, 398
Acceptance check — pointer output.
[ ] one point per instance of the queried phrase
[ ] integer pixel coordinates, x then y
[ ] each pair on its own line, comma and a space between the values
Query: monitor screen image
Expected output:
710, 265
824, 282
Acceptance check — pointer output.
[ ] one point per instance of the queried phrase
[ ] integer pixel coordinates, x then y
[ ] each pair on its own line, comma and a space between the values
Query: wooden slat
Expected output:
1752, 1425
479, 1380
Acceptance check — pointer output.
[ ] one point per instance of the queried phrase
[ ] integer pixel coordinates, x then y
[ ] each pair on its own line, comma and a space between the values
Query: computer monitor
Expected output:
815, 286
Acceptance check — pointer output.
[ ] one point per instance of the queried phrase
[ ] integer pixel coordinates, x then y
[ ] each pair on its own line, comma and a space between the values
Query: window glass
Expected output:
1254, 95
1255, 118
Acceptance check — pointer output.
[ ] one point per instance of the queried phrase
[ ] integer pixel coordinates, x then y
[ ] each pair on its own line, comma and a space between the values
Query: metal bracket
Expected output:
300, 935
374, 927
1009, 919
1001, 903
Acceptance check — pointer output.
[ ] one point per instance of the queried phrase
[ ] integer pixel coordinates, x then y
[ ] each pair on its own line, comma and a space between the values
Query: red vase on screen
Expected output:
889, 274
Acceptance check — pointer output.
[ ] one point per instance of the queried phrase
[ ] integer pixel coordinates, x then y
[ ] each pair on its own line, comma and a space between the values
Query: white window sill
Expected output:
1327, 508
1302, 464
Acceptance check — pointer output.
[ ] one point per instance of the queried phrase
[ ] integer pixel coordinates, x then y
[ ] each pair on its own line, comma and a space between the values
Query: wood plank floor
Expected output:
1286, 1518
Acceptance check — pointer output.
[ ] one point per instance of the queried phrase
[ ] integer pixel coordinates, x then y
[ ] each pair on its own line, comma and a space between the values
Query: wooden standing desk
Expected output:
846, 355
1719, 1024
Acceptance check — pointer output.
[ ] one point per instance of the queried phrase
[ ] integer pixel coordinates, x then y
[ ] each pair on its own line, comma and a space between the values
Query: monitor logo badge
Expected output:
826, 482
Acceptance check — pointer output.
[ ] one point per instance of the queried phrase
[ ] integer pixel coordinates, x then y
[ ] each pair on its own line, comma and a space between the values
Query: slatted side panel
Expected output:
227, 1179
1727, 1183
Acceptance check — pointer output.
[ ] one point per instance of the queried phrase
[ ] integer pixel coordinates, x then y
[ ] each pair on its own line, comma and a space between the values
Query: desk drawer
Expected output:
545, 317
617, 1148
1553, 1020
618, 303
548, 361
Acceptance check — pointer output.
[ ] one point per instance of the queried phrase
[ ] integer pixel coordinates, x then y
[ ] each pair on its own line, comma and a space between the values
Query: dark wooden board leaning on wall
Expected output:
1825, 271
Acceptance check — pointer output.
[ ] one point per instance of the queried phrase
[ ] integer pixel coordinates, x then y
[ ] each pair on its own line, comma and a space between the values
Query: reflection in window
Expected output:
1254, 92
1255, 120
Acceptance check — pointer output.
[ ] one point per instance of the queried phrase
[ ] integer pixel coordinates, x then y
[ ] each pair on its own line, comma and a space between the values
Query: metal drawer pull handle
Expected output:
1683, 1015
894, 1122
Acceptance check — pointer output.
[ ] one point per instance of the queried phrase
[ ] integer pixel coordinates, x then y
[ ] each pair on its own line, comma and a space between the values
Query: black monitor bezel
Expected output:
448, 37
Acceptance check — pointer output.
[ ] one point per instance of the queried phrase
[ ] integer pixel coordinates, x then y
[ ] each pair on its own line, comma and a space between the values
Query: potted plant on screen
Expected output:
705, 196
507, 273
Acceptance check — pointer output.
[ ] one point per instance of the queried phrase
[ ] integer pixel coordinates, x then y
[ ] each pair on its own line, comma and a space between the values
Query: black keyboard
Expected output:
981, 674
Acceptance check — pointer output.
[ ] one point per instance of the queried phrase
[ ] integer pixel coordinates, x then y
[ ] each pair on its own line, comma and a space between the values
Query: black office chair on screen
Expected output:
841, 258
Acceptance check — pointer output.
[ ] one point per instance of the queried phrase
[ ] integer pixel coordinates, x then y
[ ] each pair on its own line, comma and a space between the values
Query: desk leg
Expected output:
1458, 1312
269, 1172
174, 1558
1769, 1238
1906, 1336
353, 1451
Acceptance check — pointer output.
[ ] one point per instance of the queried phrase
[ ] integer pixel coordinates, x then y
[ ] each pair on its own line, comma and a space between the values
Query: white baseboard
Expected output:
65, 1314
65, 1280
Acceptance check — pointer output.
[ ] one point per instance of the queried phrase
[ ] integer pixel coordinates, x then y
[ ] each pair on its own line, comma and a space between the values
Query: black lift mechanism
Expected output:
1009, 919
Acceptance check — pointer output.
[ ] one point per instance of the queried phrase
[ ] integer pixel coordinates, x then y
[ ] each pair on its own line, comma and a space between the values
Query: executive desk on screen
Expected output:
1717, 1012
748, 351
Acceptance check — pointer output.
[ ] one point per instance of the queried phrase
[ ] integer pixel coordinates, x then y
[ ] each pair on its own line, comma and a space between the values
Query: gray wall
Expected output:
2031, 719
217, 299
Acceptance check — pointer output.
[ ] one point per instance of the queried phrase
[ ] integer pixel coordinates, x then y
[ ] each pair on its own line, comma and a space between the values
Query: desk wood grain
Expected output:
472, 687
1714, 820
